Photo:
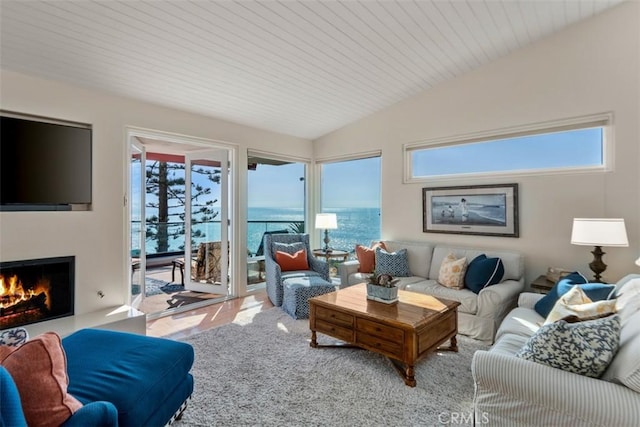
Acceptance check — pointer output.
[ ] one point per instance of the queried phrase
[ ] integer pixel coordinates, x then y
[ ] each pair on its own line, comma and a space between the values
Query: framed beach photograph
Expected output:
488, 210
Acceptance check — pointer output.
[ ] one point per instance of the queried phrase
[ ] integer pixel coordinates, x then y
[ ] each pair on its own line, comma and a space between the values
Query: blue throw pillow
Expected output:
545, 304
395, 264
595, 291
483, 272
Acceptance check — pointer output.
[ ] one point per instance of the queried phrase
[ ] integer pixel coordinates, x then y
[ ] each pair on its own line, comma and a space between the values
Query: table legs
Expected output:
453, 345
407, 372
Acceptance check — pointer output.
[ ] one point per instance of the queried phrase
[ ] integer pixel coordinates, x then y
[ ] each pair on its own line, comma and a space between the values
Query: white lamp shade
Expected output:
638, 262
327, 221
599, 232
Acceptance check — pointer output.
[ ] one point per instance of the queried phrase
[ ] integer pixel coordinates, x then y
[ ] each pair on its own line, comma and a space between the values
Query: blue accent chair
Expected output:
122, 379
274, 275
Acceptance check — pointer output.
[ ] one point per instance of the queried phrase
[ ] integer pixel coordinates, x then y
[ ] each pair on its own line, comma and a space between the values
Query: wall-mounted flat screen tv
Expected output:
43, 163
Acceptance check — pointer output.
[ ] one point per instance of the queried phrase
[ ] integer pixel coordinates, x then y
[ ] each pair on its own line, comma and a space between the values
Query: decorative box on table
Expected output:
382, 288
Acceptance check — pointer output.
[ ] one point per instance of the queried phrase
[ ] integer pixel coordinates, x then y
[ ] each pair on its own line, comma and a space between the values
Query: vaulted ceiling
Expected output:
303, 68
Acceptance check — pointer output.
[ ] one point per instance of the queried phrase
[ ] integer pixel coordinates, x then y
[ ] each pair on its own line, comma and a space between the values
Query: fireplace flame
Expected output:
13, 292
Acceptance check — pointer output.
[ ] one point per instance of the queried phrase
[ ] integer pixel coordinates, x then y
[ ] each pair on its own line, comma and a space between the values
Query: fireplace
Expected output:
36, 290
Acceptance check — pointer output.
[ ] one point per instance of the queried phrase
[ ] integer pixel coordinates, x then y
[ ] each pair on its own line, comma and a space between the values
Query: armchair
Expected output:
259, 255
275, 276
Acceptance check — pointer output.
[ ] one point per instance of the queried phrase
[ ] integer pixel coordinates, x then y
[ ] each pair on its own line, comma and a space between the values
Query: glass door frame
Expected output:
131, 134
221, 156
136, 300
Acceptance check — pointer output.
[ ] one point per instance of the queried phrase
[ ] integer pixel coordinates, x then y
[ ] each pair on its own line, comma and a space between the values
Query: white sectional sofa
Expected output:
479, 315
512, 391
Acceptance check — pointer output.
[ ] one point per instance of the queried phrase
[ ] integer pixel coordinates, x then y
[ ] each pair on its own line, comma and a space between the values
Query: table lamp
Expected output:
599, 232
328, 221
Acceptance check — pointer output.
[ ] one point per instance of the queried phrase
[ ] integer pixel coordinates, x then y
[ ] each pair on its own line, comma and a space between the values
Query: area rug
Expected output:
262, 371
157, 287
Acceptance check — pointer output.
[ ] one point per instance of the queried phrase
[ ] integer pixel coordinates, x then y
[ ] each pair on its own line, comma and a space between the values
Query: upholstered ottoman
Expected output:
298, 290
146, 378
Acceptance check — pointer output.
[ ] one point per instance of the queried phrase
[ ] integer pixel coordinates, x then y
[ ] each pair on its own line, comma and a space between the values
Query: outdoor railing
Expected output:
208, 231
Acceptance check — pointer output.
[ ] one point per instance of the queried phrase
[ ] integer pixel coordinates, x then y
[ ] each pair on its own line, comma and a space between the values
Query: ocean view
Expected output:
355, 226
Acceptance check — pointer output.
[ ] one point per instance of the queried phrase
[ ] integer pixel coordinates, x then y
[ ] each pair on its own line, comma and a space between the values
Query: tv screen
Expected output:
43, 163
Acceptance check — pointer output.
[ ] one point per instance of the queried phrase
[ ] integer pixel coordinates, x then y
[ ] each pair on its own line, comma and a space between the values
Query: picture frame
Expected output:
486, 210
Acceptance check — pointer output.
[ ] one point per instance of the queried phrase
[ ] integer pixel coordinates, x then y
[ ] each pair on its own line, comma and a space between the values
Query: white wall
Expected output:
591, 67
97, 237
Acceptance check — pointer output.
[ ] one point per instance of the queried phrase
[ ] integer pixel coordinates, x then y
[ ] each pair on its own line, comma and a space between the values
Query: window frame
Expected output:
603, 120
318, 166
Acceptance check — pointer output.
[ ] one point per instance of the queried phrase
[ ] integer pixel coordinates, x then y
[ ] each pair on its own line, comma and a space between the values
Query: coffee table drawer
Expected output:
333, 330
335, 317
380, 345
379, 330
438, 330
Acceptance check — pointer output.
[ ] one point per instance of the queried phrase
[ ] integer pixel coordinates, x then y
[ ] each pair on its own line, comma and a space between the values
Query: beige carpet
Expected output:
265, 373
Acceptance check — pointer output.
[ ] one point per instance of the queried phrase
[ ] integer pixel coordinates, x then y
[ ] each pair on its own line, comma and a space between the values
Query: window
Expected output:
276, 203
351, 189
575, 145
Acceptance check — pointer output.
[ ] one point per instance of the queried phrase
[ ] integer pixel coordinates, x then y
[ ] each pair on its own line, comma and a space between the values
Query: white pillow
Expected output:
452, 272
577, 303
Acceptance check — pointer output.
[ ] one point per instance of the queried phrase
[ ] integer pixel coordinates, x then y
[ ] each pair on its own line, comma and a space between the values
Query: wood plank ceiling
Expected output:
303, 68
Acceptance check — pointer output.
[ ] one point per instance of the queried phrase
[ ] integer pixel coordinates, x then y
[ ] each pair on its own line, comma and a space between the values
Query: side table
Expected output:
319, 253
542, 285
328, 256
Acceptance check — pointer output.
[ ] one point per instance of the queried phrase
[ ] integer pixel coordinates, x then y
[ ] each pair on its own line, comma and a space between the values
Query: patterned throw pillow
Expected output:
290, 248
577, 303
584, 348
395, 264
452, 272
14, 337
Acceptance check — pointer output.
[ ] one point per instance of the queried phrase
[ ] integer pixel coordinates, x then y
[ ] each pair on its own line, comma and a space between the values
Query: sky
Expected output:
344, 184
562, 149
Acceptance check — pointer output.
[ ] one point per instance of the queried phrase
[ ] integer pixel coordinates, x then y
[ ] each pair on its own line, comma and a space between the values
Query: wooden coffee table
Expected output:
404, 332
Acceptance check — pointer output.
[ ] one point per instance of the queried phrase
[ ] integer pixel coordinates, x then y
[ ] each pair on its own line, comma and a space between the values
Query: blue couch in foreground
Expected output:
122, 379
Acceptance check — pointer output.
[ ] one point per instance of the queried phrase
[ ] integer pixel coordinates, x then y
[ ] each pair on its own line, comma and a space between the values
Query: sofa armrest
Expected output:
11, 413
514, 391
346, 269
497, 300
529, 299
100, 414
319, 266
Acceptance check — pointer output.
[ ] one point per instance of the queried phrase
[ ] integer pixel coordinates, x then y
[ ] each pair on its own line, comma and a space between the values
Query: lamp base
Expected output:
326, 241
597, 265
